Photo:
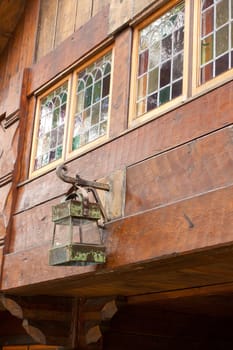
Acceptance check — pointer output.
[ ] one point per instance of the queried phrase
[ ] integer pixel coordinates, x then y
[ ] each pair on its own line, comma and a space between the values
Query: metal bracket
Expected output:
82, 185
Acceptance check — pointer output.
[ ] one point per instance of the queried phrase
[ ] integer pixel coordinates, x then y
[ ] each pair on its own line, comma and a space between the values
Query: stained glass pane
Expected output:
177, 89
51, 126
178, 66
208, 21
164, 95
207, 49
215, 42
207, 73
206, 3
143, 62
152, 101
222, 40
222, 12
161, 46
153, 80
222, 64
92, 104
165, 73
166, 48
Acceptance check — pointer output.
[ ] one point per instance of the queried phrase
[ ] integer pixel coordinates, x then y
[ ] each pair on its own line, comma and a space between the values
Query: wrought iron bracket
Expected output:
82, 186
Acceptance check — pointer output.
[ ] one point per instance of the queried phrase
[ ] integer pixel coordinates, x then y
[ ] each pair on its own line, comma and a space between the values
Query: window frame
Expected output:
37, 116
83, 149
67, 153
197, 87
173, 103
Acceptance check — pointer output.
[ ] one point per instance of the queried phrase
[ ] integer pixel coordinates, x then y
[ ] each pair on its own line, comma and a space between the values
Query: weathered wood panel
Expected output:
84, 12
120, 83
66, 17
18, 55
190, 121
199, 166
47, 27
71, 50
98, 5
149, 236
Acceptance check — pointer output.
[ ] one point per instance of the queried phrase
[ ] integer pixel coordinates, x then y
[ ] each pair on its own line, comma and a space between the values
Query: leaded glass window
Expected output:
50, 135
160, 60
92, 102
216, 38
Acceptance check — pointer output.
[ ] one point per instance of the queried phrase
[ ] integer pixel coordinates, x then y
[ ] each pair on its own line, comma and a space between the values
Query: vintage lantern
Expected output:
77, 211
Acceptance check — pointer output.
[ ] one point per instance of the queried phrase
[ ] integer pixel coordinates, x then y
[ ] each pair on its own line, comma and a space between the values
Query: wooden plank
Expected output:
98, 5
197, 167
66, 16
84, 12
120, 86
47, 27
71, 50
164, 180
151, 237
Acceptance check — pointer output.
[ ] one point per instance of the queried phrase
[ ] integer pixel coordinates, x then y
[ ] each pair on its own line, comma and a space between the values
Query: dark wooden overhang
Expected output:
10, 13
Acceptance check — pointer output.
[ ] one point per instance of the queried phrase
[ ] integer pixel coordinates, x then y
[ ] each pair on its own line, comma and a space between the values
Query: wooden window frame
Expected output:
70, 154
67, 153
52, 165
166, 107
197, 87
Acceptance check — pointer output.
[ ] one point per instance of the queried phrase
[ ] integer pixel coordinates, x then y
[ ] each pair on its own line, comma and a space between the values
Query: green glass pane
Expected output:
81, 85
207, 49
95, 114
154, 55
164, 95
107, 68
63, 97
142, 85
208, 21
222, 40
153, 80
58, 152
97, 91
222, 12
89, 80
75, 142
88, 97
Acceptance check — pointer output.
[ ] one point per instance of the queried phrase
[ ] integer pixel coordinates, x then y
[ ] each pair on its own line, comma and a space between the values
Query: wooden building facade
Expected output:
136, 94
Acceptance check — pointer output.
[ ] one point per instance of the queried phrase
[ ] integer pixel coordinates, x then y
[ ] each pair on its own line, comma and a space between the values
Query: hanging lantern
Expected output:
75, 218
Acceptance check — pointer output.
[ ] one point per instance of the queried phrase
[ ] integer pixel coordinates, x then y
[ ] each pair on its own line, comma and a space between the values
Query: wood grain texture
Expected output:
71, 50
66, 16
188, 122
